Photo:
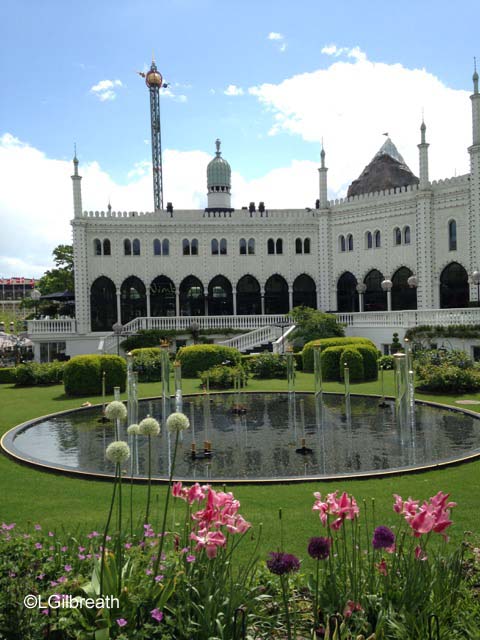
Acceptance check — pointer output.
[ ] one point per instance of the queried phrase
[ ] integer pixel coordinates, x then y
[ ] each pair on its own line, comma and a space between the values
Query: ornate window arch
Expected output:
342, 244
377, 239
242, 244
306, 245
452, 235
270, 246
186, 247
368, 240
251, 247
127, 247
194, 246
279, 246
214, 245
397, 236
165, 247
350, 242
97, 247
298, 245
157, 247
406, 234
136, 247
223, 247
107, 247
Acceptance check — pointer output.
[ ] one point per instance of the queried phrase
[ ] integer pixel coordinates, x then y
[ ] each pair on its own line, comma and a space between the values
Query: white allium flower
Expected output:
116, 410
133, 430
118, 451
149, 427
177, 422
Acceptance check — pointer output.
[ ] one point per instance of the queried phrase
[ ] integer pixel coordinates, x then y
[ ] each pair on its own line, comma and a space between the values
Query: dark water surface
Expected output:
262, 443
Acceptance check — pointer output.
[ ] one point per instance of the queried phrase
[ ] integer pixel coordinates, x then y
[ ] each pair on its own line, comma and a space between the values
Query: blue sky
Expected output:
297, 71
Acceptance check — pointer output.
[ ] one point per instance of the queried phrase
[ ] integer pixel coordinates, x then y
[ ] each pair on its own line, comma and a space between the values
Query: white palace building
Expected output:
396, 252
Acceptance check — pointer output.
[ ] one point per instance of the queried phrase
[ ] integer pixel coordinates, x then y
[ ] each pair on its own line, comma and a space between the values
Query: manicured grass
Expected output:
28, 495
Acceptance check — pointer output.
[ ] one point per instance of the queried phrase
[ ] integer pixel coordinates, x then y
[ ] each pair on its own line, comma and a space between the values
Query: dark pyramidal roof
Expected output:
386, 171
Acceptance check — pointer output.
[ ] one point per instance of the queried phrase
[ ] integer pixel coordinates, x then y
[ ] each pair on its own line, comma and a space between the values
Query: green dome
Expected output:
218, 170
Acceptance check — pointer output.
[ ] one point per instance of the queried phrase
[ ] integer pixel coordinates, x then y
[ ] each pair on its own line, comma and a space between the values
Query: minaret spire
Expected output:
475, 98
77, 187
423, 156
323, 195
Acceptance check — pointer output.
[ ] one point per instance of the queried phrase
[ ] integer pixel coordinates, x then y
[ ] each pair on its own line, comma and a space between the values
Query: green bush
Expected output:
268, 365
448, 379
147, 338
307, 353
370, 361
352, 357
6, 375
330, 360
387, 362
148, 364
35, 373
223, 377
200, 357
311, 324
83, 374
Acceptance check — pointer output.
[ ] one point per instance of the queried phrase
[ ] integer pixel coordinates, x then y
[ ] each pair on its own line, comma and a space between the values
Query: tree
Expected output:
312, 324
61, 278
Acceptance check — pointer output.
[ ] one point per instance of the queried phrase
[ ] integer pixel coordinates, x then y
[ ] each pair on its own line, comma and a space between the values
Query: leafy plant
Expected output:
268, 365
35, 373
223, 376
83, 374
197, 358
307, 353
311, 324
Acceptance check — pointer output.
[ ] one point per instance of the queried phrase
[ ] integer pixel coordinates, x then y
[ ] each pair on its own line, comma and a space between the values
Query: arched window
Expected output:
223, 247
270, 246
242, 244
452, 235
192, 299
276, 295
133, 299
127, 247
107, 249
342, 244
157, 247
374, 298
186, 247
249, 300
304, 292
194, 247
298, 245
454, 289
214, 244
162, 297
350, 242
406, 235
397, 236
368, 240
97, 247
306, 245
251, 247
377, 238
165, 247
103, 304
403, 296
279, 246
347, 296
136, 247
220, 298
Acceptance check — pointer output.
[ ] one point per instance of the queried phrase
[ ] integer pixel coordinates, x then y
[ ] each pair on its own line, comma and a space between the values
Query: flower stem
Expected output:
149, 489
102, 563
119, 534
283, 581
315, 610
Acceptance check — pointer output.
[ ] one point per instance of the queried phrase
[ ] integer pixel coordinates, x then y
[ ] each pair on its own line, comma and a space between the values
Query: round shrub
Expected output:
330, 360
307, 353
83, 374
353, 359
268, 365
7, 375
148, 364
35, 373
223, 377
201, 357
370, 361
387, 362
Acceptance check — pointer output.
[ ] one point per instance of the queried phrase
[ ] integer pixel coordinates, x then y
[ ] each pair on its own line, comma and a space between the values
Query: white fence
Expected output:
252, 339
407, 319
203, 322
60, 325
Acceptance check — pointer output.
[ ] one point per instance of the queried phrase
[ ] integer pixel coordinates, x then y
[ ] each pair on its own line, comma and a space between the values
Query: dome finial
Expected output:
322, 155
218, 142
75, 159
475, 75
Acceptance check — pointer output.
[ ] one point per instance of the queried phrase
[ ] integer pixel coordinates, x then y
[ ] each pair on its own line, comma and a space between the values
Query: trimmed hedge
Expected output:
268, 365
330, 361
6, 375
31, 374
147, 338
200, 357
83, 374
223, 377
307, 353
370, 361
147, 363
448, 379
352, 357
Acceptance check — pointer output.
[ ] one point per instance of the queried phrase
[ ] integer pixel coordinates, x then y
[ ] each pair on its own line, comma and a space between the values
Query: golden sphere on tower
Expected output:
154, 79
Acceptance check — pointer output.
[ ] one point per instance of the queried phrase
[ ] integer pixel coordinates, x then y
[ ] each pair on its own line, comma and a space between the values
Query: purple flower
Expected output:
157, 614
37, 527
68, 567
319, 548
190, 558
282, 563
38, 545
383, 538
121, 622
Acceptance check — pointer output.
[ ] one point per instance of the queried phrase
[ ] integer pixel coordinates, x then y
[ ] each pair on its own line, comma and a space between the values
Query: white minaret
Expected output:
474, 207
77, 188
219, 182
323, 181
423, 158
475, 98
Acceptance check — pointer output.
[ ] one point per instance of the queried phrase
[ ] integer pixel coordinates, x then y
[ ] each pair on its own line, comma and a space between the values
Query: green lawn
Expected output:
30, 496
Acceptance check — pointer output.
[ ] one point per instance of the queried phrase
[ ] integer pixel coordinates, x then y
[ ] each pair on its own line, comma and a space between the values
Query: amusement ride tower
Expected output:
154, 81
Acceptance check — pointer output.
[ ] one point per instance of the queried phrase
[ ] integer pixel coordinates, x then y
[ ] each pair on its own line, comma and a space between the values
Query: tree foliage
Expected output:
61, 278
312, 324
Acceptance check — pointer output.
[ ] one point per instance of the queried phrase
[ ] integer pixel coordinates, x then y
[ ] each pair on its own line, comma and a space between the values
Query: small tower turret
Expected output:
219, 182
475, 98
77, 188
323, 196
423, 157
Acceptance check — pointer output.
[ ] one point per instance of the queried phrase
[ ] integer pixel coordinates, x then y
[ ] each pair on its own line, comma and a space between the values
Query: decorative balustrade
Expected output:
178, 323
54, 326
445, 317
252, 339
279, 345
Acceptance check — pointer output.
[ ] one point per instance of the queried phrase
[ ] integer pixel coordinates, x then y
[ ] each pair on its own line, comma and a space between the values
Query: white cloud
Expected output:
168, 93
279, 38
353, 101
233, 90
105, 89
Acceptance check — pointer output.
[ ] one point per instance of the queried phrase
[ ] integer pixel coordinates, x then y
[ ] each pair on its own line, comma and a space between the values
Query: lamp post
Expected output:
387, 286
117, 330
476, 281
361, 288
35, 296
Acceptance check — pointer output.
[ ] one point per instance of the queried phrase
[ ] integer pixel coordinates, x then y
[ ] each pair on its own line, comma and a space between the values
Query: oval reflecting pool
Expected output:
263, 443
